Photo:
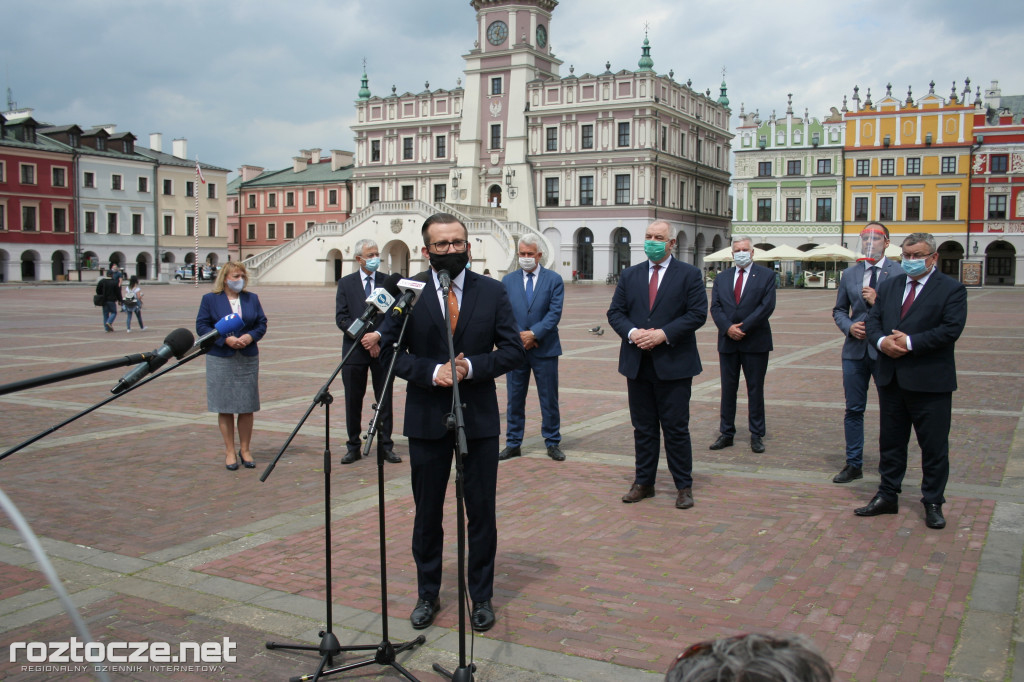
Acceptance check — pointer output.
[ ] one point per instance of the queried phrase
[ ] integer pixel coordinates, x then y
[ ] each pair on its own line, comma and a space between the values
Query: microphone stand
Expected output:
455, 421
76, 372
81, 371
329, 646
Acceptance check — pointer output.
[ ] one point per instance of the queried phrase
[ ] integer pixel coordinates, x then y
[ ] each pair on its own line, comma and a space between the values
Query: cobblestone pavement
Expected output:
157, 542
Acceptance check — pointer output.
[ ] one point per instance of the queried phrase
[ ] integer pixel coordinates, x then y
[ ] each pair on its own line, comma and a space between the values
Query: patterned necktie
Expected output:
653, 286
453, 308
367, 288
909, 300
529, 288
738, 290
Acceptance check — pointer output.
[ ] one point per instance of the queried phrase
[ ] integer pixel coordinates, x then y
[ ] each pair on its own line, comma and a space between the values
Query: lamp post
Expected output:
510, 175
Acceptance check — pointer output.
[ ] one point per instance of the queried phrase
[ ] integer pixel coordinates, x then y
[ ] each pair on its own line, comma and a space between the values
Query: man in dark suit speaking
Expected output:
487, 345
742, 300
656, 309
914, 324
353, 290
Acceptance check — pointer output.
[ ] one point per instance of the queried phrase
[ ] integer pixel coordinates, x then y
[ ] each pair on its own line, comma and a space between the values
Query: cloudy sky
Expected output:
254, 81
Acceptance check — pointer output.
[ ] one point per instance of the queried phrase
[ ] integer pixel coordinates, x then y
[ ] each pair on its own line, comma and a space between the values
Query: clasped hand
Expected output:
646, 339
237, 342
444, 372
895, 345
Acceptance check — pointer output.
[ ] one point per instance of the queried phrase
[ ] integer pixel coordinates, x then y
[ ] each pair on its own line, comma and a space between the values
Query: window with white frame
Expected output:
168, 225
914, 165
190, 226
912, 208
211, 227
332, 197
136, 223
622, 190
289, 199
623, 134
496, 85
948, 165
90, 222
793, 210
311, 197
168, 187
289, 230
586, 190
440, 147
587, 136
116, 181
28, 218
250, 232
271, 231
88, 179
885, 206
59, 176
996, 206
143, 184
406, 148
211, 190
551, 191
552, 139
190, 188
28, 174
111, 223
272, 200
860, 208
60, 219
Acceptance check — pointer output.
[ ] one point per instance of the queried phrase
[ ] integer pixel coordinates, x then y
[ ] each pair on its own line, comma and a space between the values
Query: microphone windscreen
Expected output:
391, 284
179, 341
229, 324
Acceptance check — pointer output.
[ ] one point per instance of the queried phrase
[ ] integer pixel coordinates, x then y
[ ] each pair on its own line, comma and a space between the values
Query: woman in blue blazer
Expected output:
233, 363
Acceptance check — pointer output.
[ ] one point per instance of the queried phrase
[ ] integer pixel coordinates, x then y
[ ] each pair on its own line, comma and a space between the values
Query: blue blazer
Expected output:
349, 303
755, 307
214, 307
934, 323
486, 334
680, 309
850, 306
542, 315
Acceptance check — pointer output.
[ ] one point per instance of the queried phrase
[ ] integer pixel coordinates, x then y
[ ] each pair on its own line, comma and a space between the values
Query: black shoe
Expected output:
424, 613
878, 505
849, 473
509, 452
933, 516
756, 444
390, 456
555, 453
351, 456
483, 616
722, 442
108, 327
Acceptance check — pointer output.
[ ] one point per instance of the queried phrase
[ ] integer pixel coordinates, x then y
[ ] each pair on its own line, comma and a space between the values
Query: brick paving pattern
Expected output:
159, 543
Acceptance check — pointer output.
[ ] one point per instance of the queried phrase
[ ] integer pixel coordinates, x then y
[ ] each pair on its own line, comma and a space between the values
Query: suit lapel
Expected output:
469, 298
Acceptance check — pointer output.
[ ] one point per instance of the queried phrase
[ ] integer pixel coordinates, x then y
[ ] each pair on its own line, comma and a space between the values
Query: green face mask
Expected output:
655, 250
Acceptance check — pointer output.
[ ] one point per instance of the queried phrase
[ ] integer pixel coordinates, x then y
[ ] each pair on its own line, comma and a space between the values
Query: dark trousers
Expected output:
754, 366
430, 464
353, 378
517, 382
856, 376
655, 407
929, 415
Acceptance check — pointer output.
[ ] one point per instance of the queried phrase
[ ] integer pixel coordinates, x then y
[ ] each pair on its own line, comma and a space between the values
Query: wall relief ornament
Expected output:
396, 225
495, 108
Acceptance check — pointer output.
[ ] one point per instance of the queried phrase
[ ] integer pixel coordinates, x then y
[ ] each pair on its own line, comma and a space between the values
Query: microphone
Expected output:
225, 326
411, 289
380, 300
176, 344
445, 278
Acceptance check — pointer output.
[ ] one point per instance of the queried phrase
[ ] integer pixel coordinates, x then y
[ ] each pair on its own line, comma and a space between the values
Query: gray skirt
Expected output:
232, 384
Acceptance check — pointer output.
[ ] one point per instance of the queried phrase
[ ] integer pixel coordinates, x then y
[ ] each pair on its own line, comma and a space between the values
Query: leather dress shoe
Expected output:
390, 456
722, 442
482, 616
638, 492
684, 498
849, 473
351, 456
424, 613
555, 453
756, 444
933, 517
878, 505
509, 452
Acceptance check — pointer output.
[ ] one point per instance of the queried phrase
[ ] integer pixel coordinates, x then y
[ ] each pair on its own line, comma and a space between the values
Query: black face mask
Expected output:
454, 263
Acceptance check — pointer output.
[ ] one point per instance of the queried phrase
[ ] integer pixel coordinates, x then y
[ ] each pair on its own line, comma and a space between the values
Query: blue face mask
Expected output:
236, 285
915, 267
372, 264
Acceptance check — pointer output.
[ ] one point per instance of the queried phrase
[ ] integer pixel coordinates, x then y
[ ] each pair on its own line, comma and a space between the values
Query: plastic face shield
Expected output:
872, 244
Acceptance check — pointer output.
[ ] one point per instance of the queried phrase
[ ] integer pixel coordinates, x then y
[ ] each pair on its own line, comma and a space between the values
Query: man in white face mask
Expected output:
353, 291
742, 300
536, 295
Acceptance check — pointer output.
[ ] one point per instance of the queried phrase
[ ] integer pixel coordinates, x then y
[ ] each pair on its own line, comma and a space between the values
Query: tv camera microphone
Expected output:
411, 290
445, 278
225, 326
380, 300
176, 344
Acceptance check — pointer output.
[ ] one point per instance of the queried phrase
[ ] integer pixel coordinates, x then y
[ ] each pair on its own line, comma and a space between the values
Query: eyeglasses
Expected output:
459, 245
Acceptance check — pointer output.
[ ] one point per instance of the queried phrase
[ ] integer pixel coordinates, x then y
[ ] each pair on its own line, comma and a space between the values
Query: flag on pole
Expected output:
199, 172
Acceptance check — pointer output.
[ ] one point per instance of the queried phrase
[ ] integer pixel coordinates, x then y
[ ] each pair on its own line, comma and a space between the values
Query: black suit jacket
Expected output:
349, 304
679, 311
934, 323
486, 333
755, 307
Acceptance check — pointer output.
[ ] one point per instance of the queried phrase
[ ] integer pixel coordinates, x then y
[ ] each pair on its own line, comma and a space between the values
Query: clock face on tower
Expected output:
542, 36
497, 32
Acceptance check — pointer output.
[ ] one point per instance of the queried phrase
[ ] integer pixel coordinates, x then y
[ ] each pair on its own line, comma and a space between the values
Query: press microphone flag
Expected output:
411, 290
380, 300
225, 326
176, 344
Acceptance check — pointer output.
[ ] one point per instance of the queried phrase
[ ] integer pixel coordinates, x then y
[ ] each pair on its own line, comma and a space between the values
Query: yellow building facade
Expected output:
907, 164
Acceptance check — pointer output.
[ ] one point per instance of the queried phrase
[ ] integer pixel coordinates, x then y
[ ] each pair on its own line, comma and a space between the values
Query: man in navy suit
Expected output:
487, 345
350, 302
742, 300
536, 295
856, 296
657, 307
914, 324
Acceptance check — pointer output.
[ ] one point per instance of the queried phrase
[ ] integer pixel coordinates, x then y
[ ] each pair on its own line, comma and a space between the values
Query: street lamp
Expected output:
510, 175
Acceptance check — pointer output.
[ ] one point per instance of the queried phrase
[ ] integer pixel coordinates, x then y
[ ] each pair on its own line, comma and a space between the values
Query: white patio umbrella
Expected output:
830, 253
893, 252
725, 255
784, 253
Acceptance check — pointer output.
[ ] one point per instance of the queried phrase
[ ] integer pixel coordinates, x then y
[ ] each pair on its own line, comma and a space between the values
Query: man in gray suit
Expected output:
854, 300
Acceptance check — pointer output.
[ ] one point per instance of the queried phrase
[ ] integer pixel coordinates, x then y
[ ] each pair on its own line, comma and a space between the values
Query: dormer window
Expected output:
101, 144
